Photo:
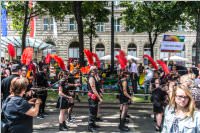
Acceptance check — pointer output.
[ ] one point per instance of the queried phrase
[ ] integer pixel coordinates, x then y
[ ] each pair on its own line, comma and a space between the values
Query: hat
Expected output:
15, 67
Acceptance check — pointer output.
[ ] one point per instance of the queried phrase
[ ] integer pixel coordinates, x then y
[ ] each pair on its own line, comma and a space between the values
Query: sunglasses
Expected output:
182, 97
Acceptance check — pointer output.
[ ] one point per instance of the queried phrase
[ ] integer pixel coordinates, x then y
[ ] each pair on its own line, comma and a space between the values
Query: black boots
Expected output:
64, 124
91, 129
122, 126
62, 127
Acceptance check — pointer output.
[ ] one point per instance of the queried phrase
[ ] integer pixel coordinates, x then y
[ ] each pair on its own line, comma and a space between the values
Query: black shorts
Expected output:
123, 100
62, 103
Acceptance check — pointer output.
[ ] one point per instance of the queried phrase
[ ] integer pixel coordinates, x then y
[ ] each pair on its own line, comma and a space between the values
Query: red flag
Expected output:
48, 59
32, 27
151, 60
89, 56
164, 66
98, 63
11, 50
122, 59
27, 56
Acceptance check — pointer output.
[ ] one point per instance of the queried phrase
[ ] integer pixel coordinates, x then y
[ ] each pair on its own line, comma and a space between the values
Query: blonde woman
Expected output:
180, 115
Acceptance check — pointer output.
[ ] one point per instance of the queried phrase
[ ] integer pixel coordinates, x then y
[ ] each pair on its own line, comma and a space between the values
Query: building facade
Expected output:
67, 46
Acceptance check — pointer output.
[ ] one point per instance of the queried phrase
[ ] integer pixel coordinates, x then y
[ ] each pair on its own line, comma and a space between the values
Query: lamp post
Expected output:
112, 37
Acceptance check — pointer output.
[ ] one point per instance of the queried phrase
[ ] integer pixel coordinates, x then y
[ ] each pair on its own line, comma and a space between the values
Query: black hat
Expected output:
15, 67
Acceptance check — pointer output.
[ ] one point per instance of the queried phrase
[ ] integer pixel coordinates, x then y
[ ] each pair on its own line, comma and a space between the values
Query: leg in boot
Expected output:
61, 127
65, 125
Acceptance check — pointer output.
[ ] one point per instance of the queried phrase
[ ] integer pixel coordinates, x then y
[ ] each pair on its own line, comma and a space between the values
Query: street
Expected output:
140, 121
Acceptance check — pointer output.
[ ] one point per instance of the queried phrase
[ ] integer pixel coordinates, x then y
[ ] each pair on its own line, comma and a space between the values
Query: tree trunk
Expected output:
198, 39
152, 42
91, 43
112, 38
79, 20
91, 26
25, 27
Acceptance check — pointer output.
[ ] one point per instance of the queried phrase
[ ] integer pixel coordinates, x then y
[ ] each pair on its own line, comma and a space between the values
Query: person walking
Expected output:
133, 75
125, 99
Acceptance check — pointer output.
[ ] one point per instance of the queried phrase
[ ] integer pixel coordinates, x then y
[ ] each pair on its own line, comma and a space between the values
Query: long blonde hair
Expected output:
190, 107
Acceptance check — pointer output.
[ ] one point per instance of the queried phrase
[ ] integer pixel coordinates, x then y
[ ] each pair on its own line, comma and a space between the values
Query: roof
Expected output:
30, 42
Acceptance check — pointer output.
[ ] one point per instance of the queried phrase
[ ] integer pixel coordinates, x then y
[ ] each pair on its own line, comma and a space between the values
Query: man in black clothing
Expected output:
42, 83
5, 85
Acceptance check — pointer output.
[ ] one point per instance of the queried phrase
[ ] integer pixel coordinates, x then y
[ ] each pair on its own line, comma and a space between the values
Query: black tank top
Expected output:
121, 92
64, 86
96, 85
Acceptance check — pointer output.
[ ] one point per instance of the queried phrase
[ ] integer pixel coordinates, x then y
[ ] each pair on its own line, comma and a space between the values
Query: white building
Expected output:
134, 44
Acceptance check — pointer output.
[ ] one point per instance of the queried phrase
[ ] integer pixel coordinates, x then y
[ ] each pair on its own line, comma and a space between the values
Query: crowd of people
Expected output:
24, 90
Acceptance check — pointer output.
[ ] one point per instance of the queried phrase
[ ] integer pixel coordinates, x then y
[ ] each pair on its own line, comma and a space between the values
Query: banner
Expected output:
55, 34
172, 43
3, 22
32, 27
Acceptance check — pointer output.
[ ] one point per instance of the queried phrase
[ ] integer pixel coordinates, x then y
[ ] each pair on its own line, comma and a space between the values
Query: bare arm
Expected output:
34, 110
93, 87
61, 93
124, 84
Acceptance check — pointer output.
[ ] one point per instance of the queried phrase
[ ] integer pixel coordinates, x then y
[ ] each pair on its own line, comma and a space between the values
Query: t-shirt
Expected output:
14, 112
5, 85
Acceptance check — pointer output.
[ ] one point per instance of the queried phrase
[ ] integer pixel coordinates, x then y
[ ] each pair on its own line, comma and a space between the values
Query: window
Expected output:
116, 49
132, 50
100, 50
48, 24
194, 52
74, 50
100, 27
117, 25
147, 51
72, 24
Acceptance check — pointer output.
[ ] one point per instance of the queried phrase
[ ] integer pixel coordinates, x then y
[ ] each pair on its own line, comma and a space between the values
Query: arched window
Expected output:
132, 49
194, 52
100, 50
147, 49
74, 50
116, 49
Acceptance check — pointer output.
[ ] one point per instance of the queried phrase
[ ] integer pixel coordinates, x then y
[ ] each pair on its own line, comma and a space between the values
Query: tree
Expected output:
82, 10
151, 17
21, 15
192, 15
94, 12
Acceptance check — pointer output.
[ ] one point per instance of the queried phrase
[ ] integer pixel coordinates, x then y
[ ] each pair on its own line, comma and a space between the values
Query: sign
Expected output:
172, 43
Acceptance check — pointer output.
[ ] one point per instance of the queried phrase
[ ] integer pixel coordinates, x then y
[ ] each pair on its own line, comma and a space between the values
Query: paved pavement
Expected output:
140, 121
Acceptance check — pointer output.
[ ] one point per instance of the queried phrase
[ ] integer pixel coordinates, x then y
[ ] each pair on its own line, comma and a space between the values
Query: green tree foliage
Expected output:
192, 15
94, 12
21, 15
151, 17
86, 13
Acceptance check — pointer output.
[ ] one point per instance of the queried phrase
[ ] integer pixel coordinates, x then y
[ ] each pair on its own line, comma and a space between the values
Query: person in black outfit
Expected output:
72, 87
18, 112
158, 98
42, 83
64, 100
93, 99
125, 99
5, 84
